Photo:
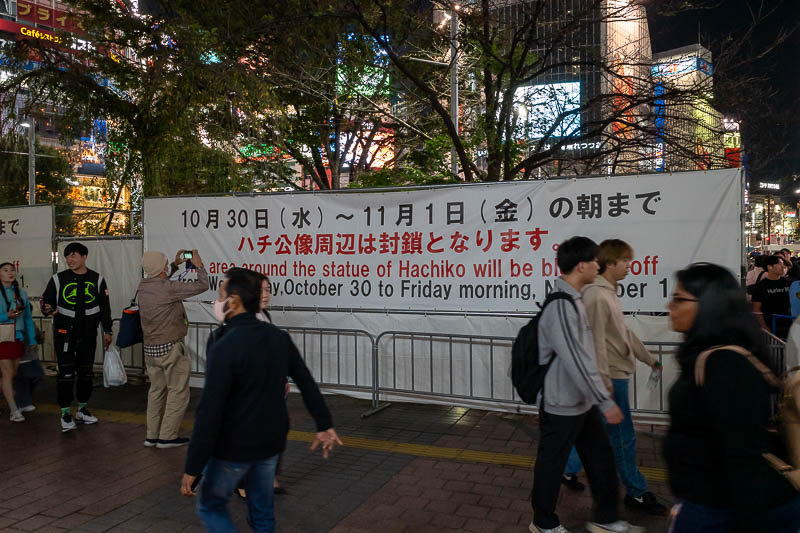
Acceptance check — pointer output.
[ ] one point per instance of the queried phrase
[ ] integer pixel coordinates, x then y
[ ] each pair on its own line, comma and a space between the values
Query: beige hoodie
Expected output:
615, 344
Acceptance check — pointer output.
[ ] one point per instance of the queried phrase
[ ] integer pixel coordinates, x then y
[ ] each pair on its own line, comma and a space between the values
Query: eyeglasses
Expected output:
681, 299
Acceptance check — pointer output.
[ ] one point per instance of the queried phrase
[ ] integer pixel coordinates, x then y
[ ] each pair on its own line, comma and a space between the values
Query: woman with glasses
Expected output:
718, 430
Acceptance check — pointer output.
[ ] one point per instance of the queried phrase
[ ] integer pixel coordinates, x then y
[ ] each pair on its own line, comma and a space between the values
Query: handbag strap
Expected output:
700, 365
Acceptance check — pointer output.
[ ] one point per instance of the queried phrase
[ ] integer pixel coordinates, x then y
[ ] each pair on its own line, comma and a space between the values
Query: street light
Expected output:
31, 125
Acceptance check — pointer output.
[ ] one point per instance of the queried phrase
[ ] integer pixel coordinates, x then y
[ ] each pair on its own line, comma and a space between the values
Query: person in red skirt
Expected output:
16, 326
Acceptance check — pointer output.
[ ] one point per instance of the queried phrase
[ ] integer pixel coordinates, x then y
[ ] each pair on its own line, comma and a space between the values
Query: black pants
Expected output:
587, 434
75, 353
28, 377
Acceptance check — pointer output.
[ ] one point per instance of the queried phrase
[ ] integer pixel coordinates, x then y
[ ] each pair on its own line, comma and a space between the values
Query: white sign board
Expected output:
26, 240
487, 247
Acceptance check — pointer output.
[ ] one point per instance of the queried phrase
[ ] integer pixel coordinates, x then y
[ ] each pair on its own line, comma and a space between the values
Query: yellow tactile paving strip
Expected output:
375, 445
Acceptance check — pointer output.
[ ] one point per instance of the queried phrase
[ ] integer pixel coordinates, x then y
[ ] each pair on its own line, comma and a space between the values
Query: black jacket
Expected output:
242, 414
716, 437
80, 299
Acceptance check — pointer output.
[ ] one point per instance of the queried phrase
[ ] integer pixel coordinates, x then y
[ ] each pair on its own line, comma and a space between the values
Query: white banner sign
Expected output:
26, 240
485, 247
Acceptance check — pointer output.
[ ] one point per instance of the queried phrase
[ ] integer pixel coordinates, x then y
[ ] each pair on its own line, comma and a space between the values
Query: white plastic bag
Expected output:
113, 370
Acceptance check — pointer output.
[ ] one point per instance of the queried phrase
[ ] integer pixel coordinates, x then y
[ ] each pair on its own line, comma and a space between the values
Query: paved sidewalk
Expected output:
411, 468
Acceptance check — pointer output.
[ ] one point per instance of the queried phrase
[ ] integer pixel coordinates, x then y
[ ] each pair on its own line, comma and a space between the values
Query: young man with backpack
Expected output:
573, 400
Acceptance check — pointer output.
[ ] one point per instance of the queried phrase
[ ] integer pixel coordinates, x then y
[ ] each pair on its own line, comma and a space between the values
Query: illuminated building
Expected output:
693, 128
48, 21
597, 70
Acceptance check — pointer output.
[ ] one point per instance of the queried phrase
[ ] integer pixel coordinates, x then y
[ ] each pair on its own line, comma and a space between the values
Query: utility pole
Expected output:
31, 161
769, 221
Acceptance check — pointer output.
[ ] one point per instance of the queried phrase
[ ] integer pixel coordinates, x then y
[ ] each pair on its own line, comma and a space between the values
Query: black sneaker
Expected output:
647, 503
173, 443
572, 482
150, 442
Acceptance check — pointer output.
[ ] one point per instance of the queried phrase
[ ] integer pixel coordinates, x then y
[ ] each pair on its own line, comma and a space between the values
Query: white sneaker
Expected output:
67, 423
16, 416
558, 529
620, 526
83, 415
28, 408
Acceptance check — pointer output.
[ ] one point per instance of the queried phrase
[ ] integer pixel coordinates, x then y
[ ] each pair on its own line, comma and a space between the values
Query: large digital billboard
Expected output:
547, 106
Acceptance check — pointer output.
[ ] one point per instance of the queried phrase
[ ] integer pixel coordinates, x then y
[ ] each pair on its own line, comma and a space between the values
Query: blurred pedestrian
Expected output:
771, 297
77, 299
30, 372
719, 430
242, 420
164, 325
16, 332
264, 316
755, 274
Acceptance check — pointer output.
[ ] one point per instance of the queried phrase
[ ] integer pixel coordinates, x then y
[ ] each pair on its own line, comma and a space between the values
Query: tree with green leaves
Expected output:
148, 79
53, 177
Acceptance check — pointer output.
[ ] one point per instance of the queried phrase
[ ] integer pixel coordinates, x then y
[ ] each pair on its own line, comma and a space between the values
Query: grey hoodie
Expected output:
573, 384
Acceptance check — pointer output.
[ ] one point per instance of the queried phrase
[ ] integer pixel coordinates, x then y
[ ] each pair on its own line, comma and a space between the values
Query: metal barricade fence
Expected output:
776, 348
339, 359
352, 349
132, 357
443, 365
438, 366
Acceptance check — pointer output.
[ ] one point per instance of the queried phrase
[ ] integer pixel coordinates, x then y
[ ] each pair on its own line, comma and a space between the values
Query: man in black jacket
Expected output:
77, 299
241, 423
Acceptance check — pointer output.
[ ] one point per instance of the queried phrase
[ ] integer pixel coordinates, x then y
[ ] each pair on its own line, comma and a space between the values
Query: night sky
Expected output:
781, 68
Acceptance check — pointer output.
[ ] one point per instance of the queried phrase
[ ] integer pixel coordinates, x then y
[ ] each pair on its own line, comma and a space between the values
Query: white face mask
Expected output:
220, 310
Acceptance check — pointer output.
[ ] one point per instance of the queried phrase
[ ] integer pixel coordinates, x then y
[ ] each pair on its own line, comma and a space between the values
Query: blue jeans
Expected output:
623, 442
222, 478
574, 464
688, 517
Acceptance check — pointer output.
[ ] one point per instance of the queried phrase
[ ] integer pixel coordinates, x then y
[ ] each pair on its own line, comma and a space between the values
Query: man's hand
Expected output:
328, 439
656, 365
613, 415
186, 485
48, 310
196, 261
286, 390
106, 340
179, 258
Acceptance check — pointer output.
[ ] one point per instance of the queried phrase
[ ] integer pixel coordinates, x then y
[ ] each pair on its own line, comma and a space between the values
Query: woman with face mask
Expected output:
718, 422
242, 422
264, 316
16, 331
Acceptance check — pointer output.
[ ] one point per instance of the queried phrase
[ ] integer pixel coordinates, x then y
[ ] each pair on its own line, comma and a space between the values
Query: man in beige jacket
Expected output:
617, 349
164, 324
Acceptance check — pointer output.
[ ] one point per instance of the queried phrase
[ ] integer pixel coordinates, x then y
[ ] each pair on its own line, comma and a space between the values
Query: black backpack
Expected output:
527, 374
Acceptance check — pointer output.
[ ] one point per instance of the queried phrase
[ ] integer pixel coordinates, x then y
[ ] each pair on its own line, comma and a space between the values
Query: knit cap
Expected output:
154, 263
